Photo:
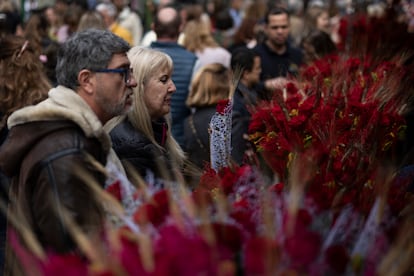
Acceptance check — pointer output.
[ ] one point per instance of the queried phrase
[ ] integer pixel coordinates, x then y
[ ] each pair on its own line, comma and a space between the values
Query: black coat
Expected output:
196, 136
243, 99
44, 170
4, 188
133, 147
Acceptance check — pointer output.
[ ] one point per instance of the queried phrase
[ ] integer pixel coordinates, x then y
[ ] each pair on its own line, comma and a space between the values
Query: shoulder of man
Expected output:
47, 140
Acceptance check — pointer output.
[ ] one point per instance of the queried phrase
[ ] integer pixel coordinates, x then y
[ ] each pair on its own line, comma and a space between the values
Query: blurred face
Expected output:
108, 20
158, 90
114, 95
119, 4
51, 16
277, 30
322, 22
237, 4
253, 76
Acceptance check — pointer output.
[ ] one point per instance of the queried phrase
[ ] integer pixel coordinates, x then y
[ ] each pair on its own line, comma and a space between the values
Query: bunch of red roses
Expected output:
346, 116
233, 223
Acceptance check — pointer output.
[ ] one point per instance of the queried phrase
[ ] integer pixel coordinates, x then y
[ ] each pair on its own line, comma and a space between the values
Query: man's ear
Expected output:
86, 81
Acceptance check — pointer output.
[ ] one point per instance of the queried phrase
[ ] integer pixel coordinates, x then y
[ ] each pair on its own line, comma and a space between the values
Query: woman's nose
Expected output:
172, 87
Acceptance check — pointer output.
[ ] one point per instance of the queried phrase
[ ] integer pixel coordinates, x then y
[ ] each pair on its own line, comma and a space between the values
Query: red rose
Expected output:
222, 105
303, 248
261, 256
65, 265
277, 188
155, 211
115, 190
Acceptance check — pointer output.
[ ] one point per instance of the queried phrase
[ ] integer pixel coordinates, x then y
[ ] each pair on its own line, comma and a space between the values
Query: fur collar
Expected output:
63, 103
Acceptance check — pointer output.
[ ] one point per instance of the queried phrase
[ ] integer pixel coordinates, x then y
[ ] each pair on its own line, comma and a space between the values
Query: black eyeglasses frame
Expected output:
126, 72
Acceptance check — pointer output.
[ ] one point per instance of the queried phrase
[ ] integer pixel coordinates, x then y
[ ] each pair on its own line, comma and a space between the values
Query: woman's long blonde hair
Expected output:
210, 84
145, 63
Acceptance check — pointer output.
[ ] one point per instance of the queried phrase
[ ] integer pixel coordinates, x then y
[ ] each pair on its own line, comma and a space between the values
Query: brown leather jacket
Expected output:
42, 159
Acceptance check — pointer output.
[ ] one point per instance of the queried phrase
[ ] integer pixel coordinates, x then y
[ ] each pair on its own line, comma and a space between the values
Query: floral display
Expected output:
336, 202
344, 116
338, 208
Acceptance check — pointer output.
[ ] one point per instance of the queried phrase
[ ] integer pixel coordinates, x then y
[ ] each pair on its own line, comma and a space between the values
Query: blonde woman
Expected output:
199, 40
143, 137
210, 85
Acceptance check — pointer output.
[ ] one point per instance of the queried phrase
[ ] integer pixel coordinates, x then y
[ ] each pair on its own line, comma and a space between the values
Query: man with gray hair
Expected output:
50, 145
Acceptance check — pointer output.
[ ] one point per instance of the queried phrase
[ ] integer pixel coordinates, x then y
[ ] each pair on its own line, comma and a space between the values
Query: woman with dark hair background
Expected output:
316, 45
36, 32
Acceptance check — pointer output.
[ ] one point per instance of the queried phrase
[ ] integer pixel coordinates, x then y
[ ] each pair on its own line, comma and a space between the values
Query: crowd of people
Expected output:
89, 83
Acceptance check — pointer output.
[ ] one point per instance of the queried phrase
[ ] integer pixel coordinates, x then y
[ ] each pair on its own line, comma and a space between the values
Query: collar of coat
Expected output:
63, 103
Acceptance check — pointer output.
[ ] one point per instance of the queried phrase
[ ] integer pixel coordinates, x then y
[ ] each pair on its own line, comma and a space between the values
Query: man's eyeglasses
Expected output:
126, 72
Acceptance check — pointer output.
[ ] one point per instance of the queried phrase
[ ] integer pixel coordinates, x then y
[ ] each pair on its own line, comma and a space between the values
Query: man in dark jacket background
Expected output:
245, 98
49, 142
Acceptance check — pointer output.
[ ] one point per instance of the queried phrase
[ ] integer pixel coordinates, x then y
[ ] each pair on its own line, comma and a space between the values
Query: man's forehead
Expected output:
278, 19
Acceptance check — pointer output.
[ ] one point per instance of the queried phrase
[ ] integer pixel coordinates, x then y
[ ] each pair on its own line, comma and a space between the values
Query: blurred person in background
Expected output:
223, 27
317, 18
129, 20
317, 44
296, 21
71, 19
279, 58
245, 98
167, 26
251, 30
151, 11
109, 14
245, 35
210, 85
55, 24
10, 22
22, 83
36, 32
91, 20
199, 40
236, 11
